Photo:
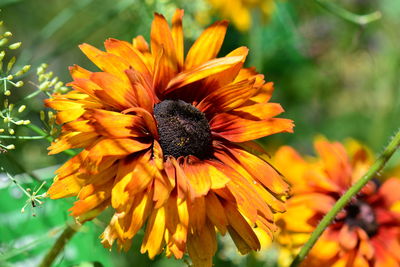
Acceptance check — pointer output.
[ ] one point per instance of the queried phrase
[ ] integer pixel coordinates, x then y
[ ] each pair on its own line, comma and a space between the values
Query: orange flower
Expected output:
367, 231
160, 137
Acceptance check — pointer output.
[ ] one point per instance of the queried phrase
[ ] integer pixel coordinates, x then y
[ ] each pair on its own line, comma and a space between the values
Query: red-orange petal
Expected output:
238, 129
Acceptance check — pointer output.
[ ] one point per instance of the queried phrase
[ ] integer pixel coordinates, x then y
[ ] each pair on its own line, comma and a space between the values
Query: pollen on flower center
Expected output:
362, 215
183, 129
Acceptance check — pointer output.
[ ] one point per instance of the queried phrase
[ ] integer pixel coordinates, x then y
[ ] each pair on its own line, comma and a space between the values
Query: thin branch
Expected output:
361, 20
22, 137
342, 202
59, 245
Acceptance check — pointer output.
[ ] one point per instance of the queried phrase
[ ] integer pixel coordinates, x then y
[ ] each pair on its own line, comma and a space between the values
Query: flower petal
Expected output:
117, 92
117, 125
202, 246
177, 36
154, 235
237, 129
207, 45
126, 51
200, 72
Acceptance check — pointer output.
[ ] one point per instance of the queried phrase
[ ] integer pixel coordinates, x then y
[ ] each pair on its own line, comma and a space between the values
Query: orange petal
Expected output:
116, 92
197, 214
117, 125
261, 170
148, 119
126, 51
141, 209
79, 72
72, 140
153, 237
177, 223
140, 44
227, 76
207, 45
237, 129
216, 213
390, 191
143, 173
67, 187
202, 246
198, 176
321, 203
177, 36
94, 200
228, 97
200, 72
242, 230
383, 258
105, 61
162, 190
161, 40
348, 238
335, 161
114, 147
143, 94
260, 111
133, 177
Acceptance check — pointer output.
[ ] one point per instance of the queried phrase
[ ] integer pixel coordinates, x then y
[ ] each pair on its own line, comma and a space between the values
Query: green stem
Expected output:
361, 20
59, 245
344, 199
48, 138
22, 137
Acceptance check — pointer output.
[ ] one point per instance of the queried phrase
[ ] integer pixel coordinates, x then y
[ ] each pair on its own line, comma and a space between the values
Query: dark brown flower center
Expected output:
362, 215
183, 129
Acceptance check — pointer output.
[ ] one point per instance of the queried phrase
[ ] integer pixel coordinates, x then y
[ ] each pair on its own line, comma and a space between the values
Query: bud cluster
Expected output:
48, 83
9, 79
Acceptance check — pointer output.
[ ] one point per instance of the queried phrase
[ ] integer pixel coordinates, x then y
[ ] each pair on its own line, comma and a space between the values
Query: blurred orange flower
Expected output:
365, 233
159, 134
240, 11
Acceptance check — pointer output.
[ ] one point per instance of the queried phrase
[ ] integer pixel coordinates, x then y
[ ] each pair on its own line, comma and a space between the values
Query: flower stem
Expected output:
22, 137
59, 245
361, 20
36, 129
345, 198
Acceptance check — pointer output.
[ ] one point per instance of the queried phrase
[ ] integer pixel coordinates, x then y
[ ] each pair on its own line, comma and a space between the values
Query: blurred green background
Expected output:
333, 77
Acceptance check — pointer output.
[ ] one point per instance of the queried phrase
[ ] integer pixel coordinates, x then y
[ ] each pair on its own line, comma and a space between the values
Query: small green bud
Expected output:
10, 147
15, 45
3, 41
7, 92
21, 108
19, 84
44, 86
11, 63
42, 115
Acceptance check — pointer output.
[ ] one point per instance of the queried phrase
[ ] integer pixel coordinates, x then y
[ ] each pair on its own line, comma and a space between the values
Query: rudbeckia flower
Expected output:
240, 11
161, 138
366, 233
